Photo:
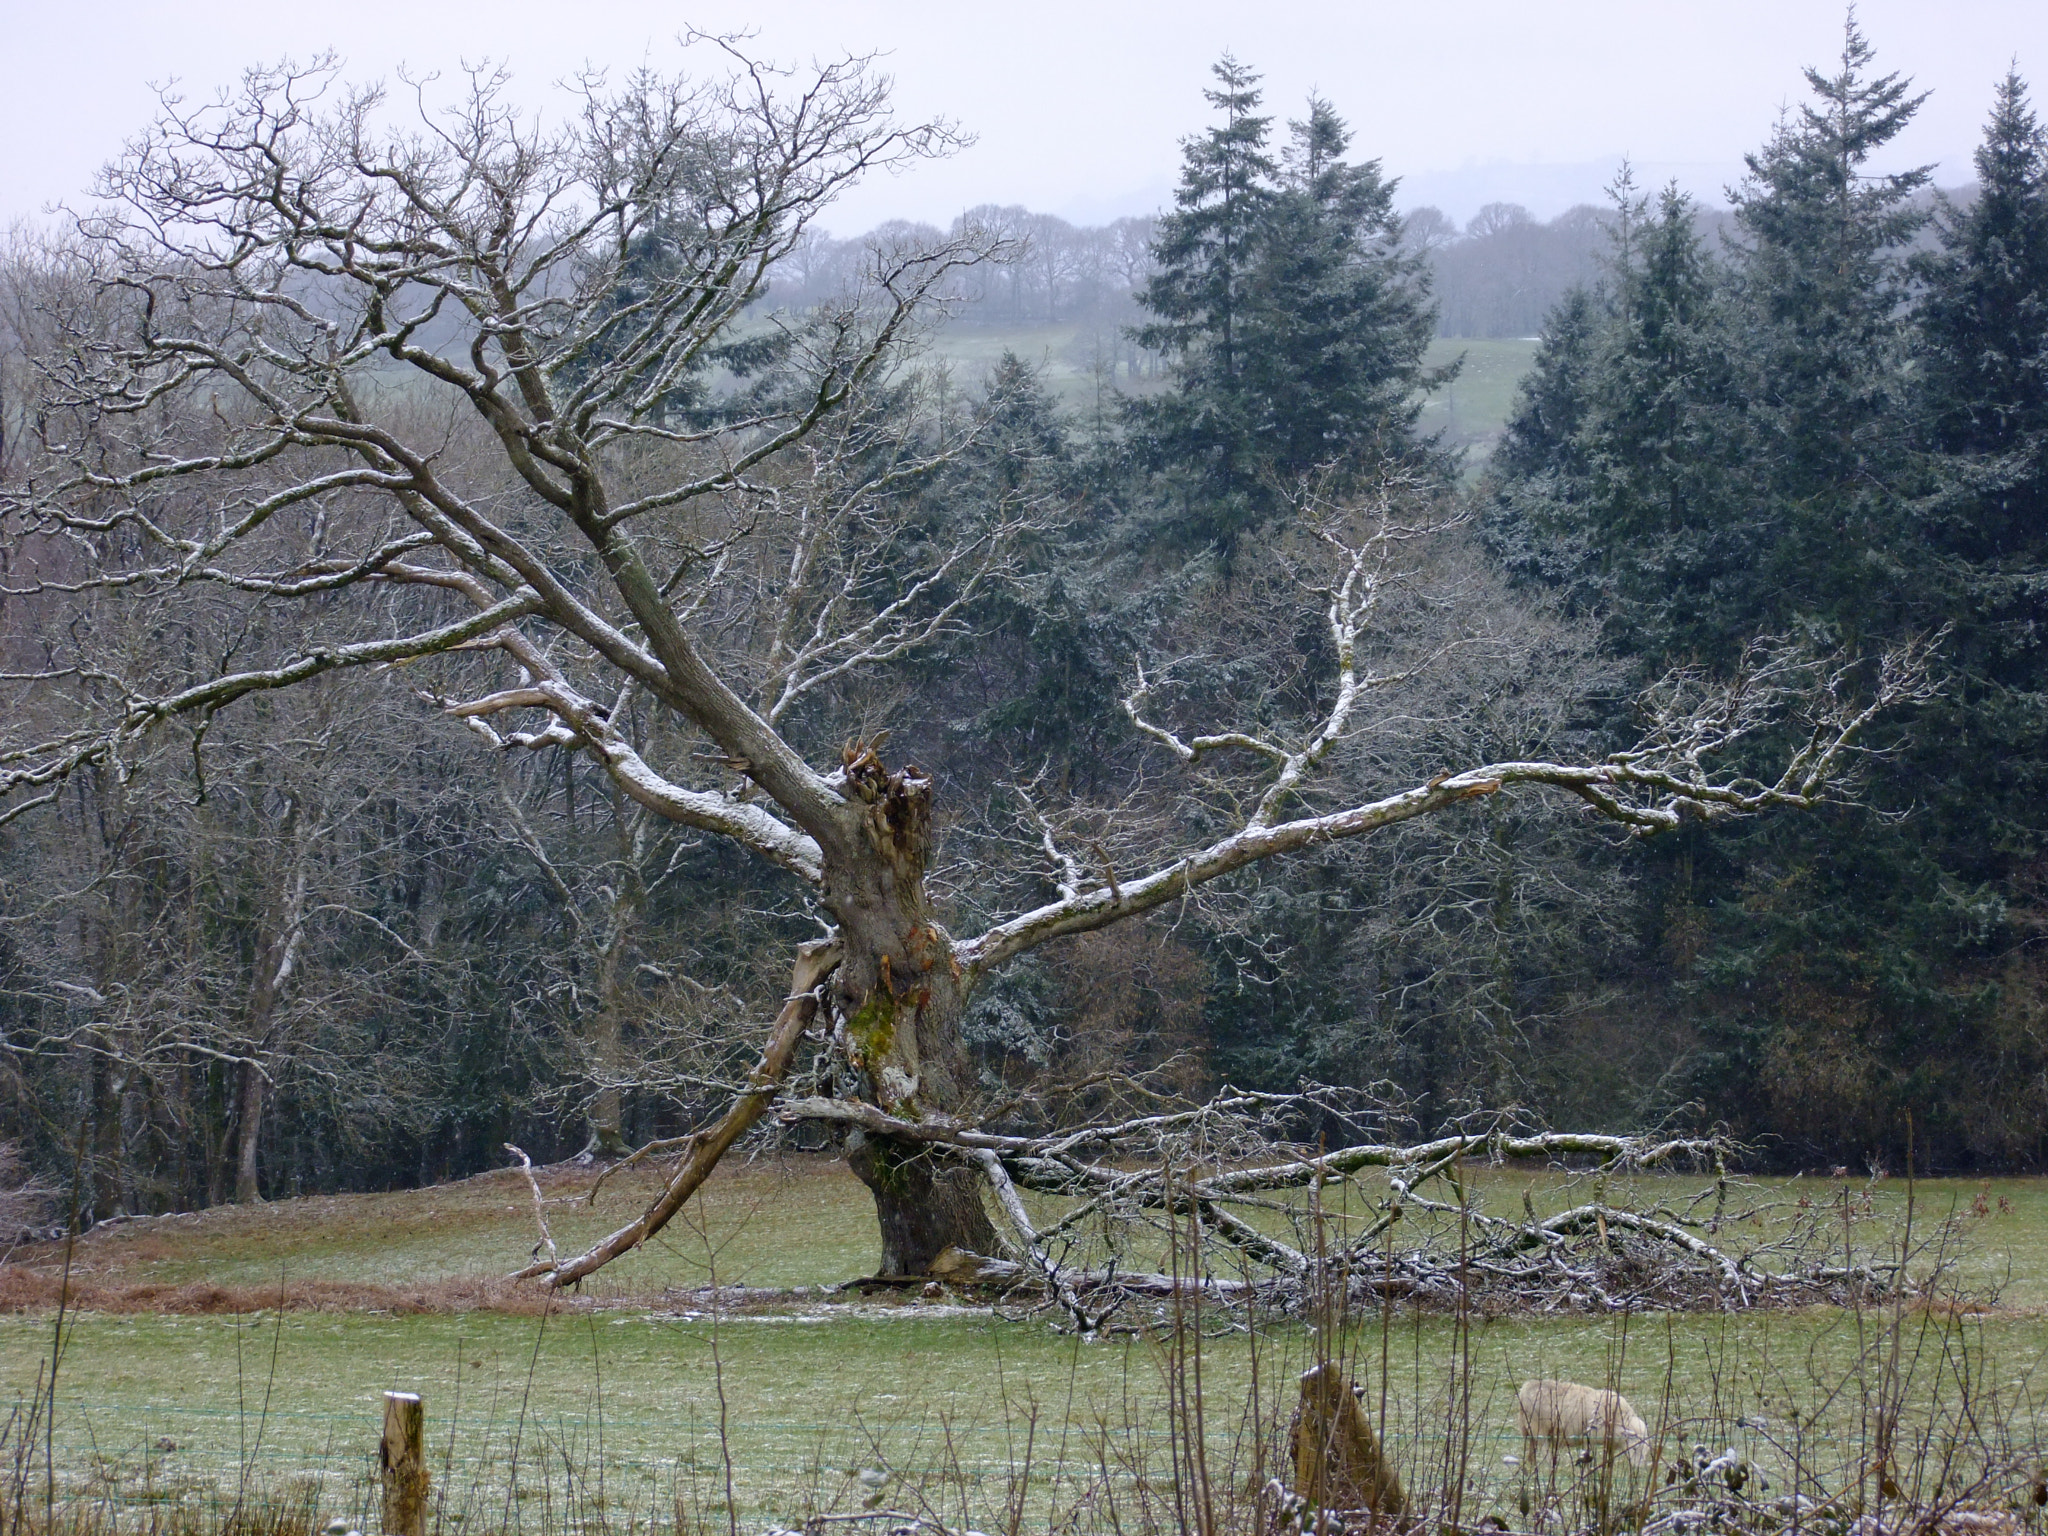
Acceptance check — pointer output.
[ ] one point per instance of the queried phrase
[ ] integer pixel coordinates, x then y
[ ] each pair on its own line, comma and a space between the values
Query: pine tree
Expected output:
1338, 325
1605, 480
1659, 434
1983, 354
1533, 521
1984, 335
1822, 367
1295, 320
1713, 449
1200, 288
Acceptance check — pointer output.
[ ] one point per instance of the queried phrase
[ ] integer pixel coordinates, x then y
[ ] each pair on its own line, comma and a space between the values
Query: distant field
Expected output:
1470, 412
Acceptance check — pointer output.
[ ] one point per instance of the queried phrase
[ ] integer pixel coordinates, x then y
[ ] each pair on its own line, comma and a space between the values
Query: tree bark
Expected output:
607, 1133
900, 994
923, 1204
248, 1134
604, 1034
276, 958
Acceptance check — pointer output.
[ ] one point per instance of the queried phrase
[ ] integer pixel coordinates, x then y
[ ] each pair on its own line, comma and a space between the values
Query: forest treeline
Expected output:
327, 938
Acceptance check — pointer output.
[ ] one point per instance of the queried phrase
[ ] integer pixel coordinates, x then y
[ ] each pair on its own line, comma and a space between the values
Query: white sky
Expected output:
1078, 105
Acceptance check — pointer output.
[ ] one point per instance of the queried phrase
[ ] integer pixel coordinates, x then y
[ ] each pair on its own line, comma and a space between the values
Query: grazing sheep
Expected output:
1565, 1413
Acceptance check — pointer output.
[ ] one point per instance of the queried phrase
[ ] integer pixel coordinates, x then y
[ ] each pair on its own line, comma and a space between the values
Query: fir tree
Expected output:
1821, 367
1339, 322
1659, 432
1534, 521
1984, 335
1295, 320
1198, 293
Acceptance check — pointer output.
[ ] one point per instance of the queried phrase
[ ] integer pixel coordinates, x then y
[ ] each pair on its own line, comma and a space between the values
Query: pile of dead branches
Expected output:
1249, 1216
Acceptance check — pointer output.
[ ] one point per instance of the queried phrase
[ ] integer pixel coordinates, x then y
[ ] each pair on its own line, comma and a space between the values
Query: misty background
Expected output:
1077, 110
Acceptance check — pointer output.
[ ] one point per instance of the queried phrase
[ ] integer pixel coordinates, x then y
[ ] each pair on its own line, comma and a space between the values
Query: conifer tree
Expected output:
1821, 366
1295, 320
1713, 448
1984, 335
1199, 291
1983, 355
1336, 332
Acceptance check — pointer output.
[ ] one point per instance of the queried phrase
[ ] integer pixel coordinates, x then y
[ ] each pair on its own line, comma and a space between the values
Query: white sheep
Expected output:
1565, 1413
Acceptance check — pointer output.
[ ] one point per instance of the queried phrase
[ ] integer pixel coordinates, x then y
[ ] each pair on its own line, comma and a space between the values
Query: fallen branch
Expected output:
540, 1213
1595, 1256
814, 963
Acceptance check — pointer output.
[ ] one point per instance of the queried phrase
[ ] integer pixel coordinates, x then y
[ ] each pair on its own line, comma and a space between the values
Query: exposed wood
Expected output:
402, 1461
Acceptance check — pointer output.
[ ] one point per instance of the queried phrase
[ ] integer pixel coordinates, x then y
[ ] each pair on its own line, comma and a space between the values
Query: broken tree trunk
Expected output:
1338, 1463
899, 995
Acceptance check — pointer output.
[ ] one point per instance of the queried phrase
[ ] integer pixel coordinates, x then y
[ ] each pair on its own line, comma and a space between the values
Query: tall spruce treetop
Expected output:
1984, 335
1205, 248
1606, 480
1335, 335
1827, 438
1826, 234
1295, 321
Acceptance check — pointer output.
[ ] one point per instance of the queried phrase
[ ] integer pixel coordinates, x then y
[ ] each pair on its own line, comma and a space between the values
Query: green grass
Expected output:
933, 1392
1472, 409
808, 1221
813, 1389
773, 1224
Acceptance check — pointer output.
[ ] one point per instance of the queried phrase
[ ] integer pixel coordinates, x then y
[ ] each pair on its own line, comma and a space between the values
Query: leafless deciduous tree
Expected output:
438, 388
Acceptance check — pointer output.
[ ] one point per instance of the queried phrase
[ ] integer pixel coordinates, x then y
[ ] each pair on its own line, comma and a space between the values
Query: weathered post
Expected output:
1338, 1463
403, 1455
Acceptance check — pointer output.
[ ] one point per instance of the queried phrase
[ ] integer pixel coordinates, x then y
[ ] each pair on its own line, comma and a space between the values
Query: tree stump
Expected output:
1338, 1463
403, 1456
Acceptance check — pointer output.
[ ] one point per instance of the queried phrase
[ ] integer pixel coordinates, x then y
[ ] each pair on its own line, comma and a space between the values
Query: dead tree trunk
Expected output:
248, 1133
1338, 1463
899, 996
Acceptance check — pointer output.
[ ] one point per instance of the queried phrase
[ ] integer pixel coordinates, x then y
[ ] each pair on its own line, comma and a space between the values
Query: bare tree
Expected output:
201, 948
438, 389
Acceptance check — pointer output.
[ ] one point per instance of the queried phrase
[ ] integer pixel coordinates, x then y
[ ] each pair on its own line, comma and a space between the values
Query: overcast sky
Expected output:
1078, 105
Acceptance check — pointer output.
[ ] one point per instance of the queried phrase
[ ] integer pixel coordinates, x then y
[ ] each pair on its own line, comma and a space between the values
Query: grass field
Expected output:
637, 1398
1469, 412
941, 1395
807, 1221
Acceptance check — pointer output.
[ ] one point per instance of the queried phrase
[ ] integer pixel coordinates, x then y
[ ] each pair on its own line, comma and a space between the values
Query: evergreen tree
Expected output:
1295, 320
1709, 449
1827, 436
1536, 478
1203, 255
1335, 335
1607, 481
1984, 337
1661, 434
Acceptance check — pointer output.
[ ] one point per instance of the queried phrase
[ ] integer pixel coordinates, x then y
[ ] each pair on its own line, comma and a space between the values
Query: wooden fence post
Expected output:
403, 1455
